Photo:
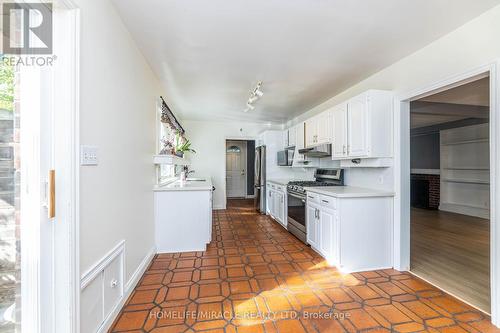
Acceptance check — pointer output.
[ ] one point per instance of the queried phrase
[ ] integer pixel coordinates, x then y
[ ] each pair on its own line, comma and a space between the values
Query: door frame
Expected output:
245, 157
66, 279
402, 170
234, 138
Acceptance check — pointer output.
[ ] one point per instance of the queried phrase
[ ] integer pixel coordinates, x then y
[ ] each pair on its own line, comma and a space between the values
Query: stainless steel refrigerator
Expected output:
260, 179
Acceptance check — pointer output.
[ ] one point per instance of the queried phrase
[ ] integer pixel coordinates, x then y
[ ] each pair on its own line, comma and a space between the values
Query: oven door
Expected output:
297, 215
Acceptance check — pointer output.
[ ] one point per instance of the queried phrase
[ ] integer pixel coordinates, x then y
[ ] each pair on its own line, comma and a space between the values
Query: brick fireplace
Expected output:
425, 191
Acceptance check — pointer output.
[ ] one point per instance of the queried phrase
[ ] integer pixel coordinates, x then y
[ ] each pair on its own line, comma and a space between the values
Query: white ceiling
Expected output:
470, 100
474, 93
210, 54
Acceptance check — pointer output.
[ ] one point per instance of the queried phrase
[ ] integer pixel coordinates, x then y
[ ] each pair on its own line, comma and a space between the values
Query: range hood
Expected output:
318, 151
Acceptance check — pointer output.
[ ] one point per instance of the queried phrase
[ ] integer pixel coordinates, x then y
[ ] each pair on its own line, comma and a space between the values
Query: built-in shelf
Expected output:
466, 181
464, 142
468, 169
170, 160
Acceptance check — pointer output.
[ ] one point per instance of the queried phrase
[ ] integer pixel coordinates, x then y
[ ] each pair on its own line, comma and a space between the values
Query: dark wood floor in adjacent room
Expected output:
452, 251
255, 277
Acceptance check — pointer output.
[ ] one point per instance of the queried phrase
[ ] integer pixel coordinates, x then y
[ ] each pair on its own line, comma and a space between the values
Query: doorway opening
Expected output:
240, 171
450, 191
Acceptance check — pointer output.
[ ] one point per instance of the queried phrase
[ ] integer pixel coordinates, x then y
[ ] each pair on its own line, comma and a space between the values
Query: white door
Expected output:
37, 221
236, 164
339, 131
324, 127
357, 127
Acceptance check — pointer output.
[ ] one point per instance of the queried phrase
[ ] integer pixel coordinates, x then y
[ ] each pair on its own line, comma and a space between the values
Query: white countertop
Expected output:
349, 192
205, 184
280, 181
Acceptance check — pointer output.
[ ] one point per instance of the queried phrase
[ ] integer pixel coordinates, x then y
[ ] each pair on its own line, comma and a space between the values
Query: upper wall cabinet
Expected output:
319, 129
362, 127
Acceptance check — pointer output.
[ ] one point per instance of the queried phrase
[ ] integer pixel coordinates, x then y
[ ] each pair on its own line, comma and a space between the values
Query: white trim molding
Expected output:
107, 305
402, 170
129, 288
99, 266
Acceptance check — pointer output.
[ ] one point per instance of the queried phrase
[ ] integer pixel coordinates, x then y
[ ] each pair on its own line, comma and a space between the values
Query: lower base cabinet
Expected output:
276, 203
354, 234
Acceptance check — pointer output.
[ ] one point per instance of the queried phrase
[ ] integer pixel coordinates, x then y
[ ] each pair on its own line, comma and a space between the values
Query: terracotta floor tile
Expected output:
131, 321
211, 289
177, 293
240, 287
208, 274
146, 296
254, 268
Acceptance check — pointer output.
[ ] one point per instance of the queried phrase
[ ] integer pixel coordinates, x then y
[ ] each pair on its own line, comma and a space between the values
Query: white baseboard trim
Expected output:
219, 207
139, 272
465, 210
129, 288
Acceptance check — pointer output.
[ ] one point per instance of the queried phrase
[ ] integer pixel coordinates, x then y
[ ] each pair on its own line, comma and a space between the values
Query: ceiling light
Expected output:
255, 94
253, 99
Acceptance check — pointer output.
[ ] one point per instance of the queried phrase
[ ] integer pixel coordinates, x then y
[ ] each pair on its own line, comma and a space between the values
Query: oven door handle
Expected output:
303, 199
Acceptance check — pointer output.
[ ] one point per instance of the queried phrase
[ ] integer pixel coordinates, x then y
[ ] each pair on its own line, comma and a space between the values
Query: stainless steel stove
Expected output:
297, 198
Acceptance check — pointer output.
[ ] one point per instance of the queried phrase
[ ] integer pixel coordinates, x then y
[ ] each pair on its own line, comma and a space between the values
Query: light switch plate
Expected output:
89, 155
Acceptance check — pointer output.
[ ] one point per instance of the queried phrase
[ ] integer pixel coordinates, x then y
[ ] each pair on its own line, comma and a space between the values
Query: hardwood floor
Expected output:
452, 251
255, 277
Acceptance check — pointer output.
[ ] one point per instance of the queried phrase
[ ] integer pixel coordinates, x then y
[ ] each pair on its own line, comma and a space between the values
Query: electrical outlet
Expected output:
89, 155
381, 180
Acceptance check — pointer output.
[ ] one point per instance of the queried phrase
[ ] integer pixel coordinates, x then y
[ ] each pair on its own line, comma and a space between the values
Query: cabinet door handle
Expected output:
325, 201
310, 197
343, 150
348, 149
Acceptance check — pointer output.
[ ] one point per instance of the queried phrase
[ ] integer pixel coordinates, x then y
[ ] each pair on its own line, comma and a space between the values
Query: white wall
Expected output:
209, 140
118, 94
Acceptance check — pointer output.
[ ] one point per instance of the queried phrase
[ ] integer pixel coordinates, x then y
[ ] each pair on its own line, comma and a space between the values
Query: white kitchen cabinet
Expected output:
362, 127
183, 216
286, 138
276, 202
352, 233
292, 135
339, 115
328, 234
298, 159
324, 128
319, 129
312, 225
311, 131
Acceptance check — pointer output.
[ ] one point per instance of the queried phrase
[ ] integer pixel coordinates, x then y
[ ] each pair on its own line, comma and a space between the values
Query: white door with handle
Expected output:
236, 164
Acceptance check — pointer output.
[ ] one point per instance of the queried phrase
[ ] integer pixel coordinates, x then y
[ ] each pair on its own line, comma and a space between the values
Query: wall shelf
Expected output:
170, 160
464, 142
466, 181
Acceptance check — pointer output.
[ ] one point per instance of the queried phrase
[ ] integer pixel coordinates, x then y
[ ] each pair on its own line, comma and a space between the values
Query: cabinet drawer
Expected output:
279, 188
327, 201
313, 197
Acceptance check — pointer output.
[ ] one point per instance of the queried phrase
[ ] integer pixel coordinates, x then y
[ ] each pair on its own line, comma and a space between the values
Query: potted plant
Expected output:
182, 145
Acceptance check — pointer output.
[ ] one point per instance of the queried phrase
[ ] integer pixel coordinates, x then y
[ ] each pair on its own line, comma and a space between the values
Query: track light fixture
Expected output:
255, 94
